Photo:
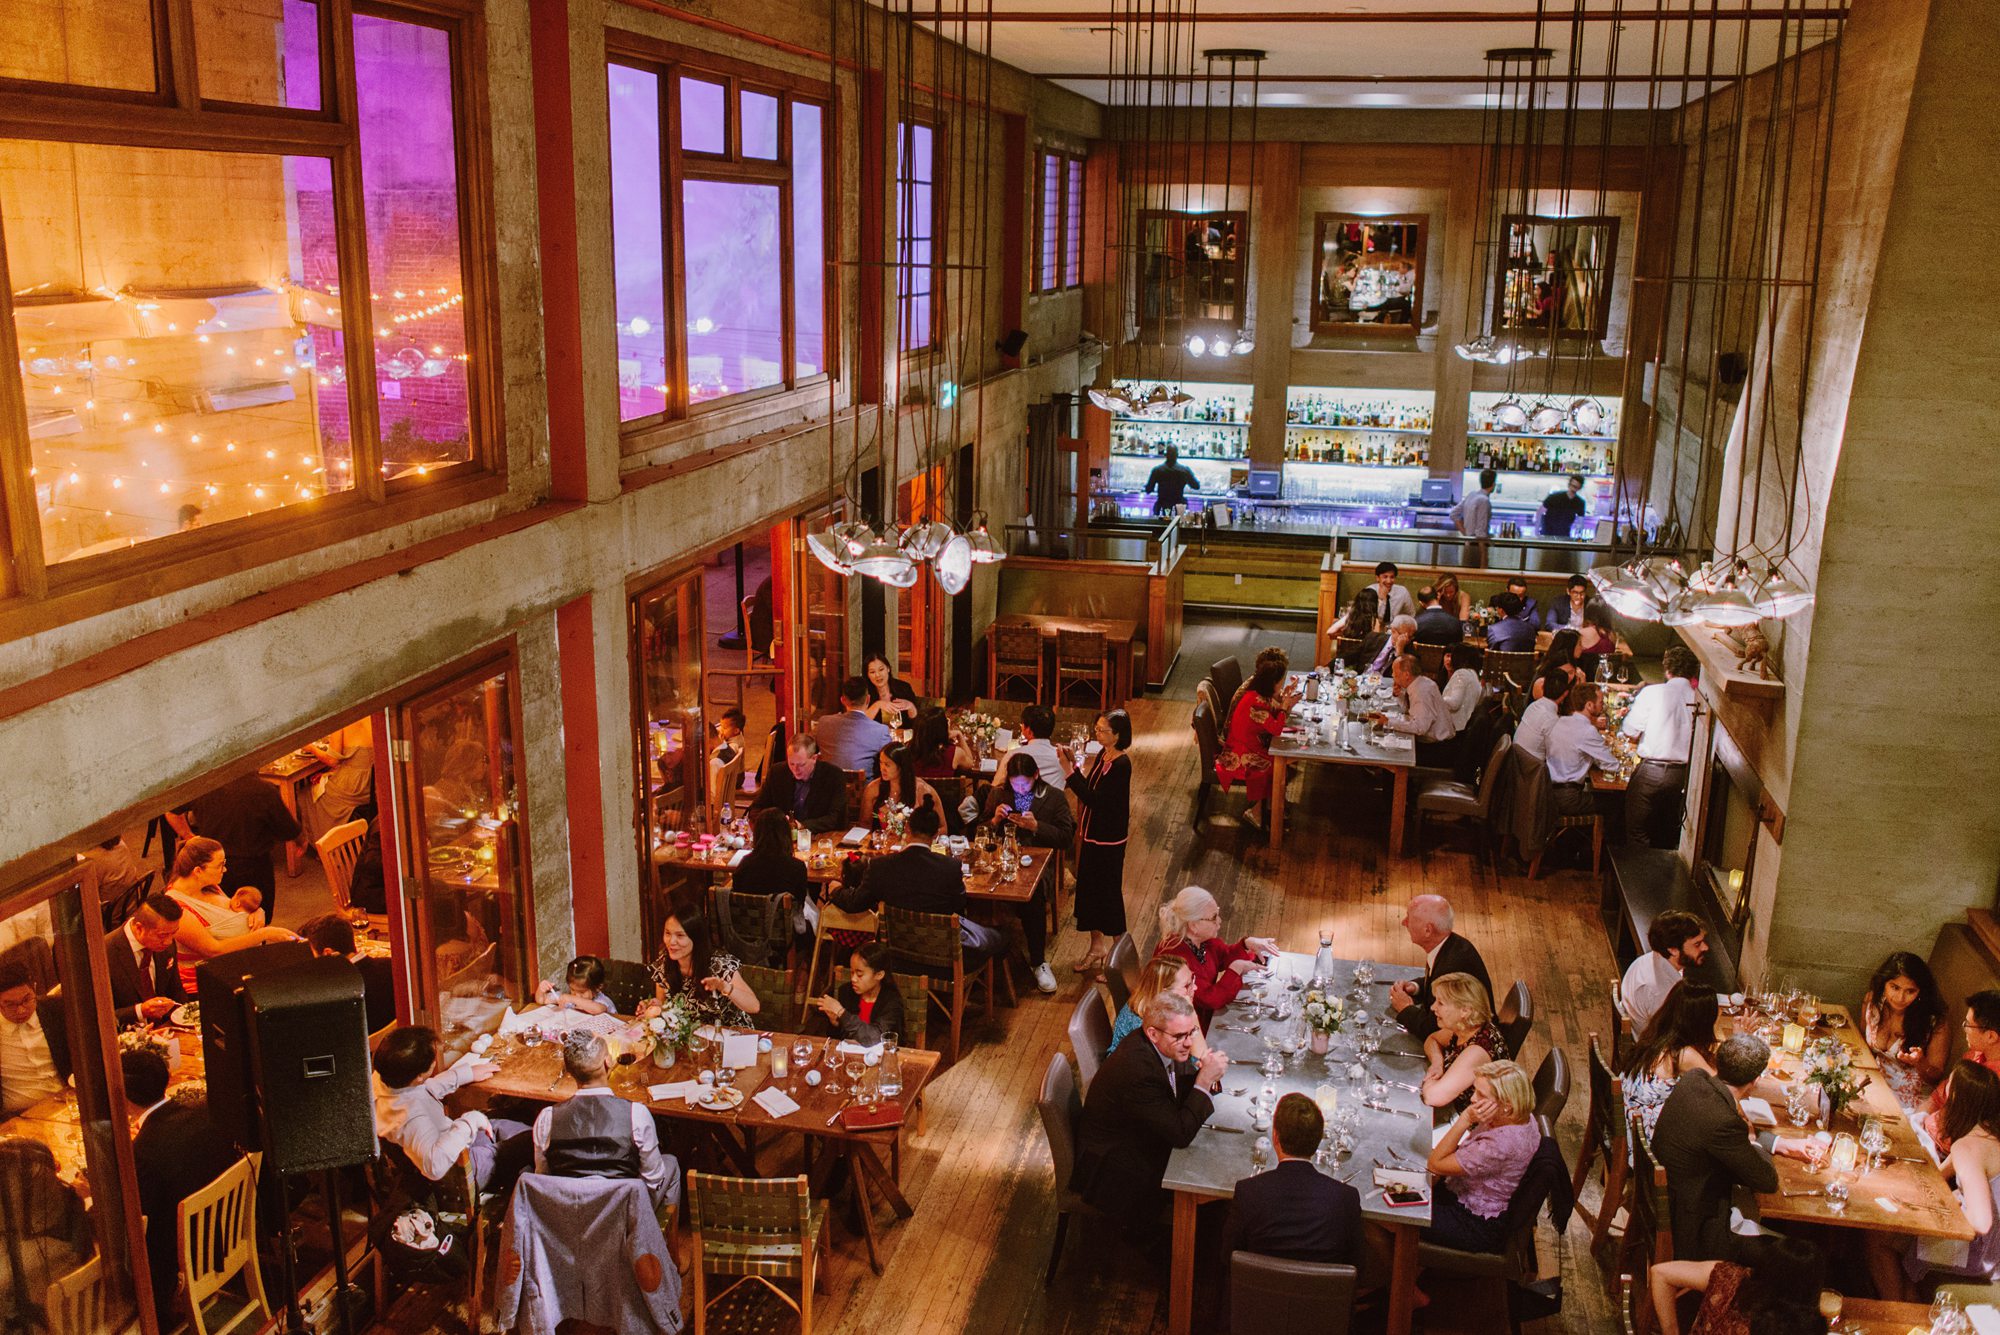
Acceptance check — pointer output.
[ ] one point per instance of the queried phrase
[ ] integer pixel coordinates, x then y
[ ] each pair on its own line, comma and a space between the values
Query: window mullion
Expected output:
28, 573
357, 310
183, 83
671, 220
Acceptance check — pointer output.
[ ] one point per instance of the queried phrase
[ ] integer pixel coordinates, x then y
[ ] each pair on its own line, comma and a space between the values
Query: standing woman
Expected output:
212, 925
1256, 717
1104, 787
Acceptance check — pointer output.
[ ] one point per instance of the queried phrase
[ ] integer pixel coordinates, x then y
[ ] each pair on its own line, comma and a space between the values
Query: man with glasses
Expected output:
1982, 1044
1148, 1100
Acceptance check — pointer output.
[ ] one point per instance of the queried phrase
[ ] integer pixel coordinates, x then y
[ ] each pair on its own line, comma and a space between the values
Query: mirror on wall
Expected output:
1191, 273
1369, 274
1556, 275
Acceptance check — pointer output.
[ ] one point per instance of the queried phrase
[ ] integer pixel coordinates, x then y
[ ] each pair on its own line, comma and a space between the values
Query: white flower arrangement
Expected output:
1829, 1064
1324, 1014
671, 1026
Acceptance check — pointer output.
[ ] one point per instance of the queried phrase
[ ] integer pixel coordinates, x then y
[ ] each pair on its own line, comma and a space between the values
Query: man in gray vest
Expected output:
599, 1134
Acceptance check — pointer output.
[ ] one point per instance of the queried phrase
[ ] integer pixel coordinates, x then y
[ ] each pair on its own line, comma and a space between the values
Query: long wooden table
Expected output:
1396, 753
1118, 636
1873, 1316
536, 1074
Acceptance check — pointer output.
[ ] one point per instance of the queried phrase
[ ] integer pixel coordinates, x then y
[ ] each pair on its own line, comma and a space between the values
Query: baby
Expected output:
249, 901
585, 989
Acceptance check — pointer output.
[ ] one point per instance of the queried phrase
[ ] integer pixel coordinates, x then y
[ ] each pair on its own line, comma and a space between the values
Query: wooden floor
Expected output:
971, 1258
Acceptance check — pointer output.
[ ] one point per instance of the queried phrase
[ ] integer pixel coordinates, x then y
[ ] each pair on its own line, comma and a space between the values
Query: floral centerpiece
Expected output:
143, 1040
1346, 686
893, 817
1484, 616
978, 729
667, 1029
1829, 1065
1325, 1015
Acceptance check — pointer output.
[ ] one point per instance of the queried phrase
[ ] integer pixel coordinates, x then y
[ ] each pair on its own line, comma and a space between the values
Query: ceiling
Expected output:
1376, 53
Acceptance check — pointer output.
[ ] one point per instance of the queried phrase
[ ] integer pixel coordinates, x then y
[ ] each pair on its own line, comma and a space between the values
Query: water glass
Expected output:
1837, 1190
1260, 1151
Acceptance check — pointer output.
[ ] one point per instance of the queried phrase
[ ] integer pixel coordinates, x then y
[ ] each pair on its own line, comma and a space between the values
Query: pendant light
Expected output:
1778, 597
1586, 417
1511, 413
953, 566
983, 550
1545, 418
830, 552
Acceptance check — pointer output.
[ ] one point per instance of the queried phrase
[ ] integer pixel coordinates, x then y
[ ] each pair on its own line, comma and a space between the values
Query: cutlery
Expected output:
1387, 1108
1246, 1061
845, 1104
1216, 1126
1239, 1091
1402, 1085
1799, 1193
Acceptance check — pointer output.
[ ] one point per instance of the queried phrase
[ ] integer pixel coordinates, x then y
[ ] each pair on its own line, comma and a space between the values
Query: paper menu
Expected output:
775, 1101
1758, 1111
1406, 1179
739, 1051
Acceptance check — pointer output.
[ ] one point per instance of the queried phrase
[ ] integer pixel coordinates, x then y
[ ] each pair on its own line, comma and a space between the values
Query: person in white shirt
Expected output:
409, 1112
1424, 716
1463, 689
1392, 600
1532, 733
1662, 718
599, 1134
1473, 517
34, 1058
1575, 746
1037, 722
1676, 940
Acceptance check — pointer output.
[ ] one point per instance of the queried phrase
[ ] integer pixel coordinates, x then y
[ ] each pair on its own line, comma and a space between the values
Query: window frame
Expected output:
1070, 190
35, 594
670, 62
908, 118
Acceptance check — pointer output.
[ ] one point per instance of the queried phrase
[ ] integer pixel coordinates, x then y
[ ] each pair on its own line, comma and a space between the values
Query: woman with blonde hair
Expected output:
1190, 924
1163, 973
1466, 1039
1482, 1158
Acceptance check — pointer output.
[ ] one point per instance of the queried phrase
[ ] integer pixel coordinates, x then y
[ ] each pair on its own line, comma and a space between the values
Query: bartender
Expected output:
1561, 509
1172, 480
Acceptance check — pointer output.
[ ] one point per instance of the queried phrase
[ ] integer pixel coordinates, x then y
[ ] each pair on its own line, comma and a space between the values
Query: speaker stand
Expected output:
340, 1295
293, 1322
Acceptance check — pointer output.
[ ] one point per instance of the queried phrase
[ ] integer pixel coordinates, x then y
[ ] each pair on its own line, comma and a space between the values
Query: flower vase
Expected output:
663, 1056
1320, 1042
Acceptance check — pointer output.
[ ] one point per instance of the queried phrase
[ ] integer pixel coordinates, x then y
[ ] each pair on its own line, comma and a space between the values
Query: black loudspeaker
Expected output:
309, 1049
225, 1034
1011, 345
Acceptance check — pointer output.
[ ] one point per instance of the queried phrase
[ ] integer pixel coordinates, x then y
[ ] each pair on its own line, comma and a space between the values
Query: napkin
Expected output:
739, 1051
513, 1022
875, 1052
1002, 738
775, 1101
1985, 1318
1758, 1111
855, 837
679, 1089
738, 856
1397, 1177
1398, 741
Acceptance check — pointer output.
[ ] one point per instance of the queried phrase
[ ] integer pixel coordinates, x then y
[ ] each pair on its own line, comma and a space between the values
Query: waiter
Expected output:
1561, 509
1173, 480
1662, 718
1473, 518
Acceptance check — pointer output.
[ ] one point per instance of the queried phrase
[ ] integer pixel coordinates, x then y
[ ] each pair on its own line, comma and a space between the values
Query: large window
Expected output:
193, 340
1059, 223
917, 201
718, 203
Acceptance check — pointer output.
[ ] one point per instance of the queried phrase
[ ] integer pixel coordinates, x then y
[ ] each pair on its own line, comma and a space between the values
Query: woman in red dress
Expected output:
1190, 924
1256, 717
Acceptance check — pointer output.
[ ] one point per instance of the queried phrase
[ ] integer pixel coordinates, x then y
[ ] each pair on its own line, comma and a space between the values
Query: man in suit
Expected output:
1436, 625
851, 738
144, 966
34, 1049
177, 1152
1148, 1100
1379, 652
1295, 1212
1708, 1149
810, 791
915, 878
331, 934
1428, 921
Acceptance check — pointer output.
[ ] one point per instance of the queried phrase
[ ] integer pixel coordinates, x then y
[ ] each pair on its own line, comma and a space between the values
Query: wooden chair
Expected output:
116, 910
749, 913
1453, 800
725, 781
929, 944
1509, 671
1262, 1287
1626, 1297
1515, 1016
845, 930
1083, 658
1121, 972
1593, 822
1430, 659
339, 849
1013, 653
1604, 1131
1551, 1084
1089, 1036
218, 1242
776, 1008
1347, 648
857, 786
1060, 1107
76, 1301
755, 1228
1649, 1237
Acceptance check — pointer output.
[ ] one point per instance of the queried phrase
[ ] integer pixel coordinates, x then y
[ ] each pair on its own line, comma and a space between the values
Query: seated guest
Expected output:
773, 867
1676, 940
1392, 599
1515, 631
582, 990
1253, 722
1040, 817
1680, 1037
1576, 745
935, 751
869, 1004
1163, 973
1707, 1150
1437, 624
34, 1051
688, 963
916, 878
1568, 610
1465, 1040
1452, 598
1463, 689
1380, 651
1294, 1212
1148, 1100
896, 781
1190, 928
728, 737
347, 786
597, 1133
1596, 637
1360, 620
891, 700
1971, 1122
851, 738
1424, 717
176, 1152
1982, 1044
807, 789
1532, 733
1559, 657
118, 868
331, 934
1482, 1158
1428, 921
1776, 1288
216, 923
1038, 724
410, 1092
1518, 586
1903, 1019
143, 963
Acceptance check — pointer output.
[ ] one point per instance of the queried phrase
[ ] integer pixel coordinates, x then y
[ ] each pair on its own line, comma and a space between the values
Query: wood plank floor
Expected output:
979, 1177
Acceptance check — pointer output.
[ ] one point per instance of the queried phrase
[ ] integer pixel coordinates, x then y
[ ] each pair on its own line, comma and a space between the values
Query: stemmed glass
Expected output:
1874, 1142
802, 1051
855, 1066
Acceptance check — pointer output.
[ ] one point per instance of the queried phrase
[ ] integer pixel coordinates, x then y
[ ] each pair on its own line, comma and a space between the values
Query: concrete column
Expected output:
1274, 263
1459, 313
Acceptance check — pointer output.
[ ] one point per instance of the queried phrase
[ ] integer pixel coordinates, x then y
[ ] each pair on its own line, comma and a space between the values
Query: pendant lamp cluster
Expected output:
1723, 592
1583, 416
897, 553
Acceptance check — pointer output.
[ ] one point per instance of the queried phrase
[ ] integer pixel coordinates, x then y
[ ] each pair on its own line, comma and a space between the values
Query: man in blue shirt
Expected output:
851, 739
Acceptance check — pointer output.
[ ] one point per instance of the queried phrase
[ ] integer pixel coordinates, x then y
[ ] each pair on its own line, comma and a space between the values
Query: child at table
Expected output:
583, 990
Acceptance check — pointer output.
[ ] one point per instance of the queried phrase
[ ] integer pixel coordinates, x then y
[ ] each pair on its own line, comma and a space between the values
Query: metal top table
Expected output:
1308, 738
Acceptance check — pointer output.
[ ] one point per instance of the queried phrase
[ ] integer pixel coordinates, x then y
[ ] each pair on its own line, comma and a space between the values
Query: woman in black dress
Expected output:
1104, 787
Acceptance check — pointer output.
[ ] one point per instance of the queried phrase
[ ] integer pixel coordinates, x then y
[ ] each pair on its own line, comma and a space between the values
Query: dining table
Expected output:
56, 1122
1325, 731
1877, 1316
534, 1071
1391, 1127
292, 774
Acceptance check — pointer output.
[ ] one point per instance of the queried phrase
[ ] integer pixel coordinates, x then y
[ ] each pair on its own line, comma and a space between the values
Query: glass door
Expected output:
822, 633
671, 729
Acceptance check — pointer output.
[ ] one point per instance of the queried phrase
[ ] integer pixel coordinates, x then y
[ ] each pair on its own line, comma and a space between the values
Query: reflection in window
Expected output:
1048, 271
409, 173
179, 356
1557, 274
915, 234
1073, 224
808, 242
263, 54
638, 243
823, 606
704, 117
96, 43
670, 620
734, 290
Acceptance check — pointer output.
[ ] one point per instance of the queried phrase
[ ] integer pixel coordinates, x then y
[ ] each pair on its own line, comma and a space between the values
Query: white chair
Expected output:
76, 1301
339, 849
218, 1240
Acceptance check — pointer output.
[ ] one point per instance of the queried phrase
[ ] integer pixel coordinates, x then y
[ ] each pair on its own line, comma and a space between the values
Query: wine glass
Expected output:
1874, 1141
855, 1066
1829, 1308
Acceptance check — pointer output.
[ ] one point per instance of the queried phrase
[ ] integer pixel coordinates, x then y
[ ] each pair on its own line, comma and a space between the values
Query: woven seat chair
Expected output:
1083, 658
627, 983
839, 932
928, 944
1594, 823
1430, 659
1014, 654
1604, 1131
749, 911
773, 987
755, 1228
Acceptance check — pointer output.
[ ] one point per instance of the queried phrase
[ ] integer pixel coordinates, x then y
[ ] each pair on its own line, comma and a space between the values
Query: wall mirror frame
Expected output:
1192, 274
1556, 274
1368, 274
